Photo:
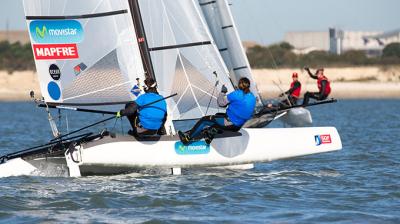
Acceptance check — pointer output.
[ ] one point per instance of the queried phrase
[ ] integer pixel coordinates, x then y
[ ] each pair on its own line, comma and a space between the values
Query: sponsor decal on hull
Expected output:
195, 148
55, 51
323, 139
56, 32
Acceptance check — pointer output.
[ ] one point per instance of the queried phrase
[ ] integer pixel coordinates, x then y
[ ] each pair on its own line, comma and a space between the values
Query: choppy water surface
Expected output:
360, 184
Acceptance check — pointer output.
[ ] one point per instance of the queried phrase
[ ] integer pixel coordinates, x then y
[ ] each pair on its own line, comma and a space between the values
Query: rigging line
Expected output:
122, 126
209, 103
180, 59
67, 122
274, 63
187, 36
100, 90
195, 102
286, 95
180, 98
207, 93
190, 84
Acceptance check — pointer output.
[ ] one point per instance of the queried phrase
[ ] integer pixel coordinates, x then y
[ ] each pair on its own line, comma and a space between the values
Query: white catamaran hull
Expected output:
124, 154
297, 117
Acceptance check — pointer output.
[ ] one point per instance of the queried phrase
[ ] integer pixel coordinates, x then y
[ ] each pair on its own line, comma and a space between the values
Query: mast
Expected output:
141, 38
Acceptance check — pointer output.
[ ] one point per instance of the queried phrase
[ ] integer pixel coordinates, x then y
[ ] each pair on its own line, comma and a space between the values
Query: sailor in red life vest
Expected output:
324, 86
293, 94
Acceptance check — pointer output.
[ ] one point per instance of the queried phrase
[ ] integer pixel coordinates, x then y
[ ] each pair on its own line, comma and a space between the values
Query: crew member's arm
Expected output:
323, 87
310, 74
291, 90
222, 99
130, 109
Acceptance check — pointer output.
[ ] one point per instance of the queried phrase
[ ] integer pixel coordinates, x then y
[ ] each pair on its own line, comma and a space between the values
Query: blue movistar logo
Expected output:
56, 32
195, 148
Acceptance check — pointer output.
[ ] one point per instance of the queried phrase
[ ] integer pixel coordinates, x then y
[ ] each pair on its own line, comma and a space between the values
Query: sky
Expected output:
267, 21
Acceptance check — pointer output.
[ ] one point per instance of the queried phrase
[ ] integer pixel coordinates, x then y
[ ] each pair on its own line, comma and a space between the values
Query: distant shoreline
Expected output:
347, 83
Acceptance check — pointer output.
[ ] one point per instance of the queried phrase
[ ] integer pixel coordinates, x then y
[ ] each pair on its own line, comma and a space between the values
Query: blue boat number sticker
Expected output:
195, 148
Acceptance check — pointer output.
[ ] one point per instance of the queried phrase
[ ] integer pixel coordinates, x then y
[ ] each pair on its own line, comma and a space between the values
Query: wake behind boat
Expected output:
90, 59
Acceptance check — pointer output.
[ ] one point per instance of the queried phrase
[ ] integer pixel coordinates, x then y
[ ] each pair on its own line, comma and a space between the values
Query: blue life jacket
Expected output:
241, 107
151, 117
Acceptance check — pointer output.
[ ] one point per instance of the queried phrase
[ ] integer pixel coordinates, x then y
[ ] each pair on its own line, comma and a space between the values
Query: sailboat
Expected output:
220, 21
89, 55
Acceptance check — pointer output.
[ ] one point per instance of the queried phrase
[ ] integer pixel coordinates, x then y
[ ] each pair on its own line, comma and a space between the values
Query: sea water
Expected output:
360, 184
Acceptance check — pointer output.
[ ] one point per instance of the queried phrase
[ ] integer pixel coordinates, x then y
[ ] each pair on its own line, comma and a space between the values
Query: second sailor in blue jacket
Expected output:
241, 104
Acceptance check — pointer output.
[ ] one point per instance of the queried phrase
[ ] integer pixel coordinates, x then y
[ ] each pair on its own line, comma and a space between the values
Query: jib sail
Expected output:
184, 56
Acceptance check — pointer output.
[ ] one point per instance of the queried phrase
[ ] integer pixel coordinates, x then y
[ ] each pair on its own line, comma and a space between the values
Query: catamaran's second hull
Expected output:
124, 154
297, 117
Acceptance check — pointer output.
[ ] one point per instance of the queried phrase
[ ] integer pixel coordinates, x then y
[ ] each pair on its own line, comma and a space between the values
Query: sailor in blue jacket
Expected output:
147, 120
241, 104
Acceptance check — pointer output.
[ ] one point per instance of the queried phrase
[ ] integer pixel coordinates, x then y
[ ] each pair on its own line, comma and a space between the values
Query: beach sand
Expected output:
347, 83
17, 86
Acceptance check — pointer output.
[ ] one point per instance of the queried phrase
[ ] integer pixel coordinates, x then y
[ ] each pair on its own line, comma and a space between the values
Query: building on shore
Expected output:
14, 36
338, 41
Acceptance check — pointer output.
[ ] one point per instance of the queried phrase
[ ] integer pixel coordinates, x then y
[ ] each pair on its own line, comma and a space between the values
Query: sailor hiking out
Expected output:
293, 94
147, 120
241, 104
324, 86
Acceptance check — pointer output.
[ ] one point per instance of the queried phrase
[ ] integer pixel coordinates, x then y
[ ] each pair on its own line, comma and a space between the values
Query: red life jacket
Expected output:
327, 87
296, 92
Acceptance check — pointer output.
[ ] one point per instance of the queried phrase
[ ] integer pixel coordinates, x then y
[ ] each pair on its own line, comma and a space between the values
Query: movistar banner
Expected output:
195, 148
56, 31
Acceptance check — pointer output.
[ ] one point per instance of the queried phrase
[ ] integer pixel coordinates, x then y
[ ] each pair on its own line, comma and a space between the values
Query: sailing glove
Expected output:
224, 89
118, 114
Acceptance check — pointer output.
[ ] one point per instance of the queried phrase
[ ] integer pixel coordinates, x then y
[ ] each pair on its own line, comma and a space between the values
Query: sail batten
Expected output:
180, 46
87, 16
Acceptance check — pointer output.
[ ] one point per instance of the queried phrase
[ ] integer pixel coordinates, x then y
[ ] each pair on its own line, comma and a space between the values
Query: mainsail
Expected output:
91, 52
222, 26
86, 52
184, 56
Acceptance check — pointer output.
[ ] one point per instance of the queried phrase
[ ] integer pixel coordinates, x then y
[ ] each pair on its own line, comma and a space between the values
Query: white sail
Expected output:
85, 51
184, 57
222, 26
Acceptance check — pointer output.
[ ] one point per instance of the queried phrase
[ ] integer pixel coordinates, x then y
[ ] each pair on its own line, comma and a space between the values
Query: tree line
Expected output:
16, 57
282, 56
19, 57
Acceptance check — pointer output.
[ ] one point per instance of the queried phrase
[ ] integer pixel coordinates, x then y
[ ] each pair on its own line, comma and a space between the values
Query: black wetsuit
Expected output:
321, 95
292, 99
